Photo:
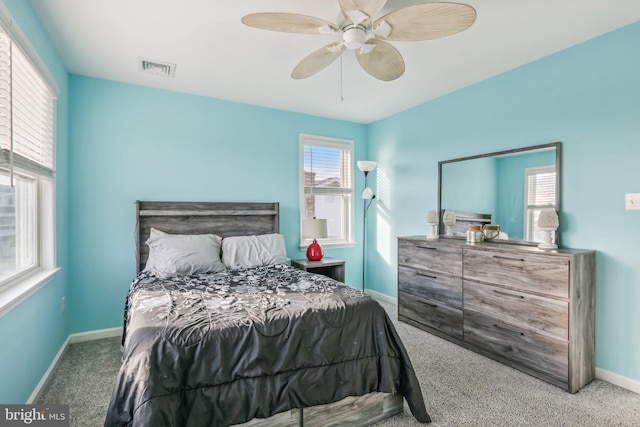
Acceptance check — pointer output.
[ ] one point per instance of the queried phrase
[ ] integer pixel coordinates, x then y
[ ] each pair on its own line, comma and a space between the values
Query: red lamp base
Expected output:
314, 251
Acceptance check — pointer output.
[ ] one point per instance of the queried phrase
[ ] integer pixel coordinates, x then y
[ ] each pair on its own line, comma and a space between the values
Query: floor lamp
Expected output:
365, 166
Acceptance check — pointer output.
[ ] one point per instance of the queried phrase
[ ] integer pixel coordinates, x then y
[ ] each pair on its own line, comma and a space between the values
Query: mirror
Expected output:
507, 188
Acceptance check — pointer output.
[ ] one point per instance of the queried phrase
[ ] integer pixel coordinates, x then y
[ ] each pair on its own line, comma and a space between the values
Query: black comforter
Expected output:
221, 349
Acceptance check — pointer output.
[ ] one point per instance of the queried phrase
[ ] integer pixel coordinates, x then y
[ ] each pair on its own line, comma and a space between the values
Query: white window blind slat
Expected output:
27, 106
327, 167
542, 189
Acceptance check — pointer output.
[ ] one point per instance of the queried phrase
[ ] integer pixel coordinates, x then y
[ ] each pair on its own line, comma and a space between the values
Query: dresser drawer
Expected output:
530, 272
544, 354
524, 311
430, 285
428, 256
429, 313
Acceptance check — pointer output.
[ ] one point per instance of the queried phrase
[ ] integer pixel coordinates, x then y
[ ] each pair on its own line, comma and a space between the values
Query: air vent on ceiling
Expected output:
156, 67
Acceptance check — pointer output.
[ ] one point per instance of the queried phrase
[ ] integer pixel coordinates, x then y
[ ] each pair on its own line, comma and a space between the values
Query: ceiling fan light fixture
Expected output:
354, 37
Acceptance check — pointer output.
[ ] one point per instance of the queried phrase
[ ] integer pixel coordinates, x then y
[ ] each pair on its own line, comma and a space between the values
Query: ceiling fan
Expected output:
364, 36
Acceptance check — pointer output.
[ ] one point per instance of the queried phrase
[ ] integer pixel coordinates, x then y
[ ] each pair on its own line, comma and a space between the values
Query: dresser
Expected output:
531, 309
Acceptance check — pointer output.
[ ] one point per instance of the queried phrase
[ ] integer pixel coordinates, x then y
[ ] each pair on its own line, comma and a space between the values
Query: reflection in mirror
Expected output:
507, 188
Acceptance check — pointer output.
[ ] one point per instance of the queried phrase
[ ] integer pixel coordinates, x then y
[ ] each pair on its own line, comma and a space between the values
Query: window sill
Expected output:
303, 248
11, 297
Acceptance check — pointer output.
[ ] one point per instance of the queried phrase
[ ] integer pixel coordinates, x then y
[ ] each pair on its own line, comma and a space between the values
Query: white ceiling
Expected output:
219, 57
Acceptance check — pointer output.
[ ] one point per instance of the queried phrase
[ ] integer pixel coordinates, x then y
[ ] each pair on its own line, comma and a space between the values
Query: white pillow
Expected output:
175, 254
253, 251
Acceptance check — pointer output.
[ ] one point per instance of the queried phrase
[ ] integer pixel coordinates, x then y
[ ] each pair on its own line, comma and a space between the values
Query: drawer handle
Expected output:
426, 275
507, 329
507, 294
427, 247
508, 258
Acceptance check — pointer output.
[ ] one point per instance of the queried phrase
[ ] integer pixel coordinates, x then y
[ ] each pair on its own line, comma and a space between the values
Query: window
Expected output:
540, 191
27, 158
326, 187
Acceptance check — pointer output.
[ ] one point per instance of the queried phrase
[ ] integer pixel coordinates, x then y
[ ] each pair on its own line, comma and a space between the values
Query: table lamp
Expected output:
314, 229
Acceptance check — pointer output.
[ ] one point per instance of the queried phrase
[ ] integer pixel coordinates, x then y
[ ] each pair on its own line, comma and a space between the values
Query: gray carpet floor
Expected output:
460, 388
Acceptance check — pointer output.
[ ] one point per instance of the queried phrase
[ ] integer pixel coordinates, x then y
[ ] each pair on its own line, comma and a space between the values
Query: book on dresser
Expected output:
531, 309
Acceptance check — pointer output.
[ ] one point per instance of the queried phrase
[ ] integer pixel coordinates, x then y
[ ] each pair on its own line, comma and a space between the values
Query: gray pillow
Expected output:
183, 254
253, 251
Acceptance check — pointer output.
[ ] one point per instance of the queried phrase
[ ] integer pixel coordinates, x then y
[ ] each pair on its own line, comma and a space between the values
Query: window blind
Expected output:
327, 169
26, 112
541, 188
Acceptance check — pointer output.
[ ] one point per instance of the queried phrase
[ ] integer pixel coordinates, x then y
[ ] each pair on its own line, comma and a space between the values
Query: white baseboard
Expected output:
71, 339
95, 335
382, 297
619, 380
45, 378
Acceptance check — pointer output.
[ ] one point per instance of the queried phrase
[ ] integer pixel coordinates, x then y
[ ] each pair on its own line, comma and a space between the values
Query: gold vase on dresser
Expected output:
531, 309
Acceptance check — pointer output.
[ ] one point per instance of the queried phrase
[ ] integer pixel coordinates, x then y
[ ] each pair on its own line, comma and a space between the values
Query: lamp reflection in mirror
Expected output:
366, 166
314, 229
449, 220
432, 222
548, 223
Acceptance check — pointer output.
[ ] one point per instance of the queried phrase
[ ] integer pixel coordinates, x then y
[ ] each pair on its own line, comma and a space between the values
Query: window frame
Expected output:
19, 285
529, 223
348, 217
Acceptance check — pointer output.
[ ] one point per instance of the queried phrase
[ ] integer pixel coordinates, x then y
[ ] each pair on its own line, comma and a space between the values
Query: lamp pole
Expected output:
365, 166
367, 204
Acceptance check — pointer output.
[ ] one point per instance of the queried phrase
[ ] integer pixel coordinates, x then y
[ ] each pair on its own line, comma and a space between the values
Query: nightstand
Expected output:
330, 267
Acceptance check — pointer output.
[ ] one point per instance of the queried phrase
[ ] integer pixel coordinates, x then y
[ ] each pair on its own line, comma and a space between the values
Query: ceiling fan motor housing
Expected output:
354, 36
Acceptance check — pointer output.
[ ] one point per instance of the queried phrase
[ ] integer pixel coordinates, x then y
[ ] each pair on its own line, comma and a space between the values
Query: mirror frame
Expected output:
555, 145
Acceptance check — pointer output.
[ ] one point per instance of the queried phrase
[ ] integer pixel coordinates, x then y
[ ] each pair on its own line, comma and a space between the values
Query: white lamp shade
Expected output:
548, 218
314, 229
367, 194
367, 165
449, 218
432, 217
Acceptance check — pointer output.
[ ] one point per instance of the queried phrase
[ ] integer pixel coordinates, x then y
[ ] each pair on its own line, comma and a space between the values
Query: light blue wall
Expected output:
131, 142
469, 186
32, 333
587, 97
510, 187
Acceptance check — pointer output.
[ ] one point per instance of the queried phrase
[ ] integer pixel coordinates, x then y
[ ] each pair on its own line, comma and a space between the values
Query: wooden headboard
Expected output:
465, 219
222, 218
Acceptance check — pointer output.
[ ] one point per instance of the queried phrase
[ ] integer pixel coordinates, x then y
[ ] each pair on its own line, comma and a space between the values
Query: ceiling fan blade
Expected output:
428, 21
317, 61
370, 7
287, 22
384, 62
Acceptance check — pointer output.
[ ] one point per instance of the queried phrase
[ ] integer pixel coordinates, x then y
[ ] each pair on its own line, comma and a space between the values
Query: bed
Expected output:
259, 345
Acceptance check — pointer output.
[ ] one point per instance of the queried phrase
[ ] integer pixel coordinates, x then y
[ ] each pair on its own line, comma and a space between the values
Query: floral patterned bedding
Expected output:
221, 349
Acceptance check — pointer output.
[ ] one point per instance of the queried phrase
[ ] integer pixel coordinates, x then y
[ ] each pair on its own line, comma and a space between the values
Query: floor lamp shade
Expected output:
314, 229
367, 165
